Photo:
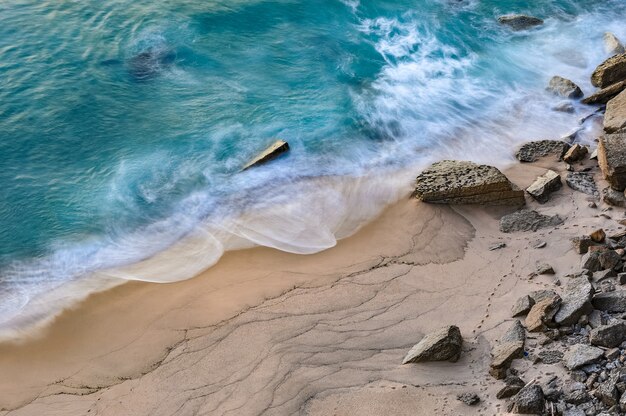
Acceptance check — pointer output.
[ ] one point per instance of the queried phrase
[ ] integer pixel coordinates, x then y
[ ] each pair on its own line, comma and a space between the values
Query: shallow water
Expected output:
125, 123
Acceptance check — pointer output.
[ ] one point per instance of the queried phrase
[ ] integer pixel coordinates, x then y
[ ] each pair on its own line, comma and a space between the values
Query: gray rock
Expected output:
531, 151
611, 301
582, 182
610, 335
542, 313
469, 399
527, 220
591, 261
564, 87
610, 71
522, 306
580, 355
519, 21
510, 347
529, 400
575, 153
612, 159
605, 94
575, 393
459, 182
515, 333
512, 385
539, 295
551, 356
273, 151
607, 391
615, 114
622, 402
545, 268
612, 44
613, 197
609, 259
576, 301
582, 244
574, 412
442, 345
544, 185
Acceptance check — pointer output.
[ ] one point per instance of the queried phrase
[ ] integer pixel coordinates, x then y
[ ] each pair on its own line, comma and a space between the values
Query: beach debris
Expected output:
580, 355
529, 400
528, 220
519, 21
274, 150
575, 153
542, 313
612, 159
532, 151
582, 182
610, 301
460, 182
441, 345
610, 71
544, 185
564, 87
605, 94
576, 301
615, 115
612, 45
469, 399
610, 335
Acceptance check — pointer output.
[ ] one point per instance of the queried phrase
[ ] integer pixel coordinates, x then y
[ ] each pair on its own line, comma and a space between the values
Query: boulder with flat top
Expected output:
612, 159
610, 71
531, 151
615, 115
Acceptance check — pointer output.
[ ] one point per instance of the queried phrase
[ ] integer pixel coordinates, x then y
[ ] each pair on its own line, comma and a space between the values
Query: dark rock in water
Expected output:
564, 87
576, 301
150, 63
610, 335
612, 159
580, 355
610, 301
527, 220
469, 399
615, 114
544, 185
460, 182
610, 71
604, 95
513, 385
529, 400
613, 197
274, 150
582, 182
519, 21
531, 151
575, 153
442, 345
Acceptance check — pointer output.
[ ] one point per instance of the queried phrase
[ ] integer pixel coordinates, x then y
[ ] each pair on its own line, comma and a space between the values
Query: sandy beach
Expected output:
266, 332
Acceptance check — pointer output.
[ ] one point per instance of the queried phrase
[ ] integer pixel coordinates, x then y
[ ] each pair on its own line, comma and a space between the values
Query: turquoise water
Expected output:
125, 123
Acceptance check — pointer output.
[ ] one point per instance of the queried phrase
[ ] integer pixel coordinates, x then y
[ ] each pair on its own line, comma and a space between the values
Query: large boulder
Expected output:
564, 87
610, 301
610, 335
576, 301
580, 355
610, 71
615, 115
527, 220
519, 21
460, 182
605, 94
531, 151
273, 151
612, 159
529, 401
612, 44
442, 345
544, 185
582, 182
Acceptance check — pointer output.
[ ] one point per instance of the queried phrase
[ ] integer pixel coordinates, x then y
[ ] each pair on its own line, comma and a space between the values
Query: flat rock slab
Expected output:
273, 151
460, 182
531, 151
610, 335
442, 345
610, 71
610, 301
615, 115
528, 220
582, 182
605, 94
544, 185
519, 21
612, 159
580, 355
576, 301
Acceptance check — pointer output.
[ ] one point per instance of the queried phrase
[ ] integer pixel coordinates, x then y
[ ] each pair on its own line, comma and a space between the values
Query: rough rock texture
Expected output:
582, 244
612, 44
542, 313
469, 399
529, 400
459, 182
564, 87
273, 151
575, 153
512, 385
605, 94
527, 220
519, 21
610, 335
576, 301
610, 301
615, 115
544, 185
609, 260
582, 182
522, 306
591, 261
610, 71
612, 159
598, 235
580, 355
613, 197
510, 347
607, 391
442, 345
531, 151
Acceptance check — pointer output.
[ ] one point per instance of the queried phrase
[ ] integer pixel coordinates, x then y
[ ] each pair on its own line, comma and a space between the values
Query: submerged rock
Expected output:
519, 21
615, 115
273, 151
612, 159
582, 182
544, 185
527, 220
612, 44
459, 182
605, 94
150, 63
531, 151
564, 87
610, 71
442, 345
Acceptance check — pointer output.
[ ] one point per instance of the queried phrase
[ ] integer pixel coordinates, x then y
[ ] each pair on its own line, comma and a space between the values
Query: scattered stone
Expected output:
545, 269
459, 182
273, 151
527, 220
609, 260
529, 400
564, 107
544, 185
551, 356
519, 21
513, 385
622, 402
591, 261
610, 71
612, 354
604, 95
575, 153
615, 115
582, 182
531, 151
523, 305
576, 301
612, 44
598, 235
580, 355
611, 301
542, 313
564, 87
607, 391
575, 393
510, 347
596, 319
441, 345
469, 399
497, 246
582, 244
612, 159
539, 295
540, 244
613, 197
610, 335
621, 278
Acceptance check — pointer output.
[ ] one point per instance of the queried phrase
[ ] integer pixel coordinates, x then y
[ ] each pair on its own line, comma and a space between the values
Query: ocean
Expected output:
125, 124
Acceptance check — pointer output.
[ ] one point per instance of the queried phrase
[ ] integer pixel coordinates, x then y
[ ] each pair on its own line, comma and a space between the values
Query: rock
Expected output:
469, 399
522, 306
575, 153
609, 260
605, 94
575, 393
510, 347
612, 159
564, 87
615, 114
545, 269
519, 21
582, 182
591, 261
539, 295
611, 301
458, 182
497, 246
515, 333
273, 151
513, 385
564, 107
582, 244
610, 335
622, 402
442, 345
621, 278
531, 151
612, 44
529, 400
610, 71
613, 197
551, 356
598, 235
607, 391
544, 185
580, 355
527, 220
576, 301
542, 313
